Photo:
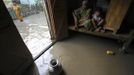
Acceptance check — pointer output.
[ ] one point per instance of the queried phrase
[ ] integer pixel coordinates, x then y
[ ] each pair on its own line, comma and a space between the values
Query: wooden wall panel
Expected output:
116, 14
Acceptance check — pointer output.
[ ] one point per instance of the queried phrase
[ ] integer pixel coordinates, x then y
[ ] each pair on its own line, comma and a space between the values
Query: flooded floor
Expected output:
79, 55
35, 33
88, 57
43, 63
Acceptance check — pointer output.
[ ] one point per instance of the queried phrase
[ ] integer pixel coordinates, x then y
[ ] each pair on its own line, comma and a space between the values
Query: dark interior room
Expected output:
66, 37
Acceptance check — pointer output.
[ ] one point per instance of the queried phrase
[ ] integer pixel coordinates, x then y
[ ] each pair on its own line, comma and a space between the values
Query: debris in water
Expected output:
110, 52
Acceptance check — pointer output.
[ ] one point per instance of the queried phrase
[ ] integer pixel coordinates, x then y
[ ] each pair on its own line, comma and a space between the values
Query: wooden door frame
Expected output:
56, 25
51, 19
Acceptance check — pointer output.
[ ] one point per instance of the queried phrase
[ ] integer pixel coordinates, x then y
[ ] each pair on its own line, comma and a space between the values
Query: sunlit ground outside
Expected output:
34, 32
34, 28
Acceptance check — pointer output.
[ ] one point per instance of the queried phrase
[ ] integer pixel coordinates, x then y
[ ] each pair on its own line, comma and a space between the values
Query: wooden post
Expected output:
58, 18
127, 42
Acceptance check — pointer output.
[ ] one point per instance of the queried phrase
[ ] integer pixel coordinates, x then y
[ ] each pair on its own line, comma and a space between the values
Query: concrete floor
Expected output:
35, 33
86, 55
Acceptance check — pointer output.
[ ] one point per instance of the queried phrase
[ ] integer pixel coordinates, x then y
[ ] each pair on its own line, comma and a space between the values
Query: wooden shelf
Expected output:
105, 34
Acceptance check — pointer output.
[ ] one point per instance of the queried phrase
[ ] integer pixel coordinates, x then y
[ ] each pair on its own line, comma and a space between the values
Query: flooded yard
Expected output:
35, 33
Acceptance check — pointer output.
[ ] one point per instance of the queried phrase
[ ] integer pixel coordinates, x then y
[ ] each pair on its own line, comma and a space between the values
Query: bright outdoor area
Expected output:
34, 25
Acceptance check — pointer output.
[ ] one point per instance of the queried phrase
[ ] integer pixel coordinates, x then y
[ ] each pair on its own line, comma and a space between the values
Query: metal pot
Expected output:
55, 67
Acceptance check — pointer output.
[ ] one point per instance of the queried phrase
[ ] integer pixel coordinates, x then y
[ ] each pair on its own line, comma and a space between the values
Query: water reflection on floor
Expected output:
35, 33
43, 62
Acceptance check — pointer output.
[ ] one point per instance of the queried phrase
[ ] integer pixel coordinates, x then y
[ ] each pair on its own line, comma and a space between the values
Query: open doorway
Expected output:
33, 24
